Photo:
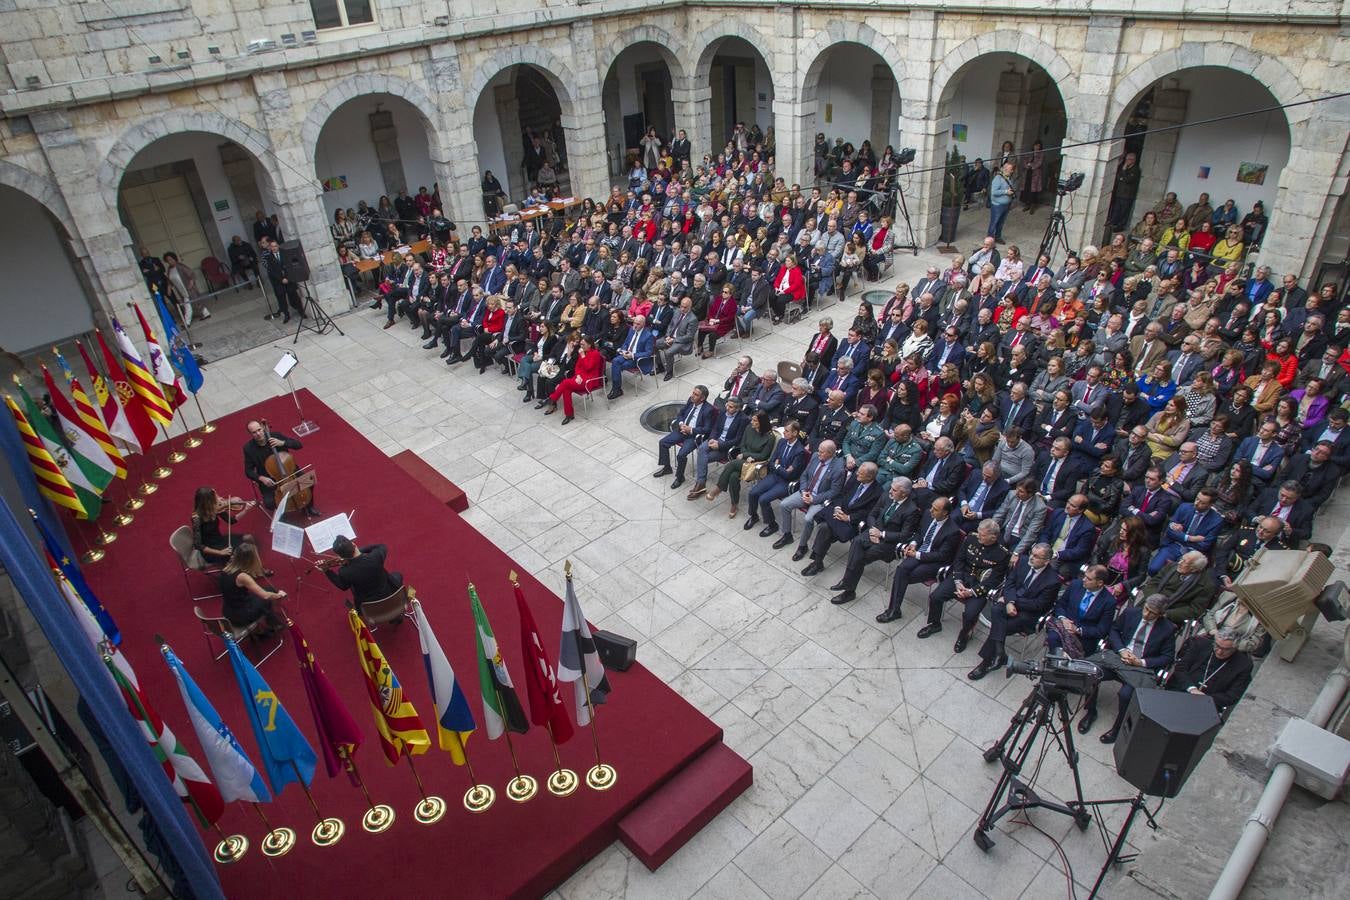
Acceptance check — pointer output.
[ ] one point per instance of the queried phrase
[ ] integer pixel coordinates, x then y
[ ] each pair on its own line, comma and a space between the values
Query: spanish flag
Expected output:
400, 728
147, 389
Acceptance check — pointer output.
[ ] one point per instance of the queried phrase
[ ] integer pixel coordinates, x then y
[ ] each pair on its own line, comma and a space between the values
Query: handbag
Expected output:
549, 369
754, 470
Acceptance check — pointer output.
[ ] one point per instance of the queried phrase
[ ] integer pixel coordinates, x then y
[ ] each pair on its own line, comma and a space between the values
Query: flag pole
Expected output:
380, 816
278, 841
601, 776
562, 782
522, 787
329, 831
105, 537
480, 796
432, 807
90, 555
192, 441
124, 516
207, 425
175, 456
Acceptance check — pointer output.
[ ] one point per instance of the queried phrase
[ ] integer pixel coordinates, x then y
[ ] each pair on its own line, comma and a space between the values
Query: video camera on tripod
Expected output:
1069, 185
1058, 673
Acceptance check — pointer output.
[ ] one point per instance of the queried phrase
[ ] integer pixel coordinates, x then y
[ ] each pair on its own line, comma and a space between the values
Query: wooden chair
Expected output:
222, 628
193, 562
391, 609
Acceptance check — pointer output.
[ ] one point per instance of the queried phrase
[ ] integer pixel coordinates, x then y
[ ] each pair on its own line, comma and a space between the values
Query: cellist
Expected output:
263, 446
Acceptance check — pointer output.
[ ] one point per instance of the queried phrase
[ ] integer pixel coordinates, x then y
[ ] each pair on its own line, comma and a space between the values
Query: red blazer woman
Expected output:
723, 309
795, 286
494, 321
589, 366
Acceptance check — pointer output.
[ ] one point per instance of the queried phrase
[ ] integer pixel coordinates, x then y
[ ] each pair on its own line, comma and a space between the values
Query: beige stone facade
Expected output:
84, 97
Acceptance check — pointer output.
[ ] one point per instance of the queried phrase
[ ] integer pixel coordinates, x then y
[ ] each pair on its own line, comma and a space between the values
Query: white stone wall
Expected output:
66, 141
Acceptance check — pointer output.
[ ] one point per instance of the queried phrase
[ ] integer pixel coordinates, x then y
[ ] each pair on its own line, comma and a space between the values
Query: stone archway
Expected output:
142, 135
374, 83
644, 86
712, 113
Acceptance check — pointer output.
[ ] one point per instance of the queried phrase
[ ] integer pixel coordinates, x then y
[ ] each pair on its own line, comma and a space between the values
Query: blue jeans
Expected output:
998, 213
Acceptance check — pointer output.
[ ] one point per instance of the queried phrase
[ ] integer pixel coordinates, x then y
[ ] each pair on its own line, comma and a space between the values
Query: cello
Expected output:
286, 473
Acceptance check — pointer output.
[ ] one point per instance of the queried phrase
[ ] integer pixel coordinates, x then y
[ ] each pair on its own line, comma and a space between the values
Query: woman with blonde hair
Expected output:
244, 599
1168, 428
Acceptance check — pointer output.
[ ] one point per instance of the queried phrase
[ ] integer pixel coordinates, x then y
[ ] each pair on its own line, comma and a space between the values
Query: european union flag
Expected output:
286, 754
76, 579
179, 351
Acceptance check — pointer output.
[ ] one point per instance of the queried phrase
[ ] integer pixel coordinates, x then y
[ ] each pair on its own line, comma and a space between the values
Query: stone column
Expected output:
238, 166
792, 120
685, 101
296, 196
1087, 121
921, 130
584, 123
1311, 187
883, 83
1009, 111
508, 118
1155, 168
384, 135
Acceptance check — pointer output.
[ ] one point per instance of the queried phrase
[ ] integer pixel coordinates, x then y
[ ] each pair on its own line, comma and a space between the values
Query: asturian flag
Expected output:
454, 719
501, 706
159, 364
577, 655
89, 417
236, 776
141, 380
286, 754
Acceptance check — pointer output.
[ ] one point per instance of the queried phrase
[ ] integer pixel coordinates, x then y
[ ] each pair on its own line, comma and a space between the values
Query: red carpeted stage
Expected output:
647, 732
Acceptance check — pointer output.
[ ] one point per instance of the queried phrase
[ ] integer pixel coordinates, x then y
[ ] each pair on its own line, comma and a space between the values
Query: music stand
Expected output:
313, 317
283, 369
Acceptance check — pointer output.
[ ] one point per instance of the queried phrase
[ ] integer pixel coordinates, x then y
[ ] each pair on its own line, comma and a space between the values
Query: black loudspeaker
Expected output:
294, 262
1163, 737
616, 651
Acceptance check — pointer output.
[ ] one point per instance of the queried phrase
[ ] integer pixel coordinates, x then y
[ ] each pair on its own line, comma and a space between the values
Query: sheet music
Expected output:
323, 533
288, 540
280, 513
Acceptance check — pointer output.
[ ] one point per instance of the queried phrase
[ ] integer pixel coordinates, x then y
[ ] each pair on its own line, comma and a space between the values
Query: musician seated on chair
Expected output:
244, 598
263, 446
361, 570
208, 508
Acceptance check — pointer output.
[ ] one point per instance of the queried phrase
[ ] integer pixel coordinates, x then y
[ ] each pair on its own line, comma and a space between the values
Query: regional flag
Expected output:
339, 735
501, 706
88, 480
546, 704
179, 351
286, 754
578, 654
236, 776
454, 719
89, 454
67, 569
189, 781
138, 376
138, 420
48, 466
109, 404
89, 417
159, 364
400, 728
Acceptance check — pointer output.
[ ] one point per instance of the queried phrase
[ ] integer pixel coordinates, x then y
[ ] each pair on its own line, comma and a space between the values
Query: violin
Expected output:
282, 468
234, 505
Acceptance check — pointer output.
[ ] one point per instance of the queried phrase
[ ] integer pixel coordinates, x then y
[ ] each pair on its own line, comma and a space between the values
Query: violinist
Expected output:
244, 599
208, 508
263, 446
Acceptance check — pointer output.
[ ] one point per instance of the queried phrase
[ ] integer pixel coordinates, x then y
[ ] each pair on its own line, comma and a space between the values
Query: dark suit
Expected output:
1266, 462
1154, 510
1078, 542
1134, 460
785, 467
977, 567
935, 548
1031, 595
1058, 486
1188, 596
1085, 439
1190, 483
288, 295
1157, 652
1299, 516
1227, 680
990, 502
1024, 417
365, 576
700, 420
1092, 622
1318, 481
897, 523
855, 501
1176, 541
945, 483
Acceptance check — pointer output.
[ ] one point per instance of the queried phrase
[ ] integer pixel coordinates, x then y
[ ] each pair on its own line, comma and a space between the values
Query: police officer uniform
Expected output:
978, 567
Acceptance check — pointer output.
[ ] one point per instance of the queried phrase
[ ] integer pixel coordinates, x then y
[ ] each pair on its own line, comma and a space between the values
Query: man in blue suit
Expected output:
846, 516
723, 439
1016, 409
820, 484
634, 353
1149, 502
855, 349
946, 349
1139, 643
1194, 526
494, 276
1093, 438
1264, 454
785, 466
1028, 593
1069, 533
1083, 613
933, 546
841, 379
981, 495
687, 431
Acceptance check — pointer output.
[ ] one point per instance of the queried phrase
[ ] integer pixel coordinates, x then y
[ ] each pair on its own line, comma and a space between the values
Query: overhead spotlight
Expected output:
1070, 184
184, 54
288, 40
155, 60
906, 156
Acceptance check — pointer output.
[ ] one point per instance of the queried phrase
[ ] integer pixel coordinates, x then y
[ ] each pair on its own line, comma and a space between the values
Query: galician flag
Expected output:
501, 706
396, 721
541, 686
90, 418
75, 469
577, 655
236, 776
100, 468
141, 380
339, 735
138, 420
286, 755
159, 364
454, 719
49, 462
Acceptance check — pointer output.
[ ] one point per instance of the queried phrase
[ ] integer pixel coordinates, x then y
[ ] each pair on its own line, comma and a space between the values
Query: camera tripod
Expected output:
1054, 237
1045, 710
314, 319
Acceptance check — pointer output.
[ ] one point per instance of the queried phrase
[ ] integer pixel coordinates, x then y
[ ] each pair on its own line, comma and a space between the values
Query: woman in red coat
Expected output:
789, 286
494, 322
721, 318
589, 376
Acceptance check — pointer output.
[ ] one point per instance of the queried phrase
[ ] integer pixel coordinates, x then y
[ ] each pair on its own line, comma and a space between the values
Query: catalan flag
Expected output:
501, 706
339, 735
89, 453
454, 719
89, 418
160, 365
128, 421
400, 728
146, 388
58, 478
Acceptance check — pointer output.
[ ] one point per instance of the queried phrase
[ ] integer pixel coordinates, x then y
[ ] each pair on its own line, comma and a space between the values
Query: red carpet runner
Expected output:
647, 732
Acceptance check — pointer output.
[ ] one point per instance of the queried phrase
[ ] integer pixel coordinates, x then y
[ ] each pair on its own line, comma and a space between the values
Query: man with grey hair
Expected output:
940, 475
1186, 583
1029, 592
1217, 669
890, 525
819, 485
841, 379
978, 572
846, 515
1139, 643
725, 436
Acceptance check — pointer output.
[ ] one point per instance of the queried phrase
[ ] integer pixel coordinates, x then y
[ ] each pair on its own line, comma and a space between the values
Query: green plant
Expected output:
953, 179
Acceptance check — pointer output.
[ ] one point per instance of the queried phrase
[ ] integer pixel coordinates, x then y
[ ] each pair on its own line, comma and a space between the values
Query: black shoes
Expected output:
566, 419
929, 630
677, 483
662, 472
983, 669
889, 615
839, 586
961, 640
769, 529
815, 568
668, 376
614, 395
799, 554
1085, 723
845, 597
782, 542
750, 523
430, 345
1108, 737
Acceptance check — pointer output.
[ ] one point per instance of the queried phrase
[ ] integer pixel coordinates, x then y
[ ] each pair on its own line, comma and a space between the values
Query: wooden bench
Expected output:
440, 487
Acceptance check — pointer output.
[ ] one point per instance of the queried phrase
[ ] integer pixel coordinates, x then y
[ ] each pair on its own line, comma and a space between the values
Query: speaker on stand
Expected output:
296, 265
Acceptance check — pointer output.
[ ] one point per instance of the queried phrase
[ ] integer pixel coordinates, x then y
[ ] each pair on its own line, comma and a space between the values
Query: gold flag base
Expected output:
378, 818
232, 849
328, 832
562, 782
136, 503
106, 537
192, 442
176, 457
429, 810
91, 556
278, 842
601, 777
479, 797
208, 428
122, 520
160, 473
522, 788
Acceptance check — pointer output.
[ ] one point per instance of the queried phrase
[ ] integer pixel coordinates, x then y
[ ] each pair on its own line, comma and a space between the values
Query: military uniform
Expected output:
1238, 550
898, 459
832, 425
863, 442
977, 567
